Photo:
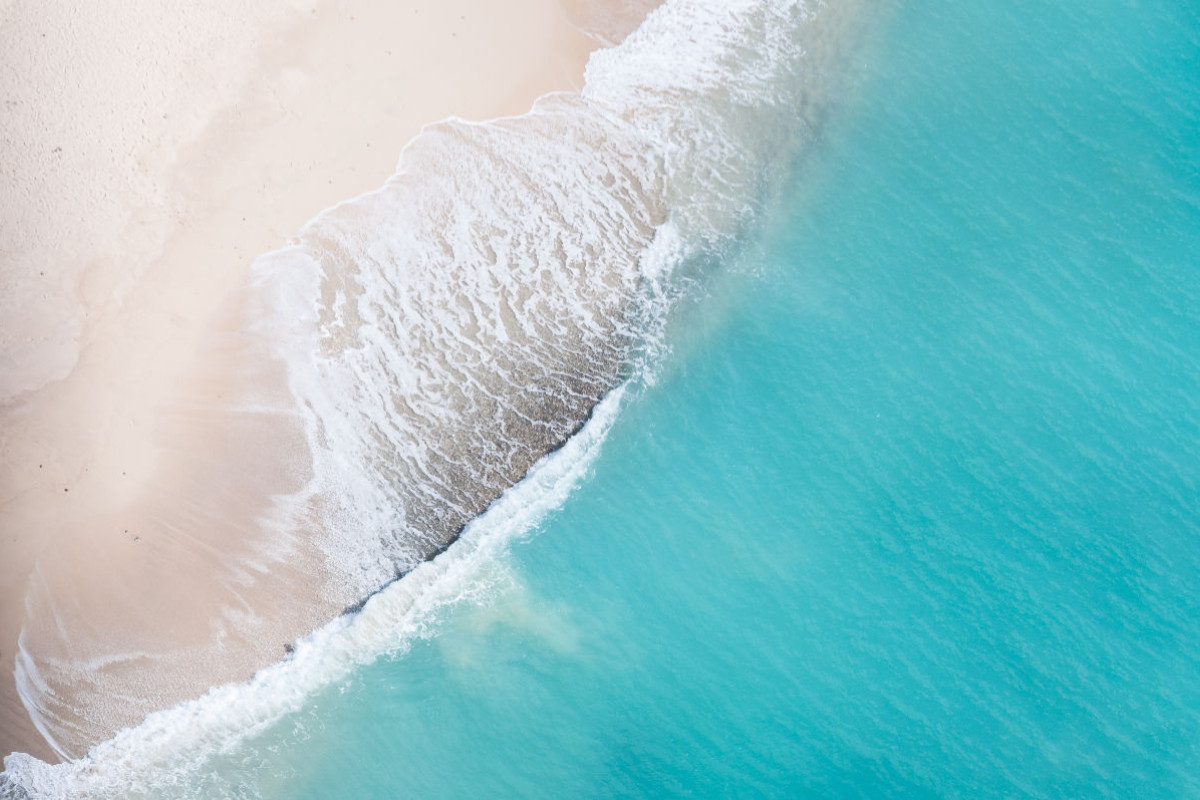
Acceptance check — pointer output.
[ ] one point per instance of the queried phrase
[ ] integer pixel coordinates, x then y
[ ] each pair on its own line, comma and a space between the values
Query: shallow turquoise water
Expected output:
912, 509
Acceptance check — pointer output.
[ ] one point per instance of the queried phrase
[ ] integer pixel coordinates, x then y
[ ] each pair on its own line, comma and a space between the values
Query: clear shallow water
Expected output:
912, 508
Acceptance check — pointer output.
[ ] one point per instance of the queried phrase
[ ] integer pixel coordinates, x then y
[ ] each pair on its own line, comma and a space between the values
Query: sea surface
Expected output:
905, 501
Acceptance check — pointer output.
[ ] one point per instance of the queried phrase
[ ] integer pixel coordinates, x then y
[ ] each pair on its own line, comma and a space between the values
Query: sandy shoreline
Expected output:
131, 489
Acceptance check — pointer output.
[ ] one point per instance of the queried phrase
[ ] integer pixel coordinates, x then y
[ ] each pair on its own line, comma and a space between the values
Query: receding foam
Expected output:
455, 341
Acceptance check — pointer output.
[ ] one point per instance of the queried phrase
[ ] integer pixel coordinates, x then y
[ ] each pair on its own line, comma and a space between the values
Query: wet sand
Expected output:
151, 152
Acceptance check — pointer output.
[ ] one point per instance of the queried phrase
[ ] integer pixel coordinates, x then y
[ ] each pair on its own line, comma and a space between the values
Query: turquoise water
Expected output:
912, 509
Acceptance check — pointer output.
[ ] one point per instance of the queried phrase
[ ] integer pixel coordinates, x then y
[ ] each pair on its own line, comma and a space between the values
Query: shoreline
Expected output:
175, 741
146, 330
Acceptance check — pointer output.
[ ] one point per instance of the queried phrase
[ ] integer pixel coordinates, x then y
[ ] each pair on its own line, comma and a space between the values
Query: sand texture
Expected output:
149, 152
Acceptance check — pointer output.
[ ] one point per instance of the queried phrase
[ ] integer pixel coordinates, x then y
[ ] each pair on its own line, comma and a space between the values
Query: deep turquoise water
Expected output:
912, 509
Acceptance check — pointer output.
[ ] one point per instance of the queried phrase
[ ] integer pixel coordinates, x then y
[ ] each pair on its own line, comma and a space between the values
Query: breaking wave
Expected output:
448, 337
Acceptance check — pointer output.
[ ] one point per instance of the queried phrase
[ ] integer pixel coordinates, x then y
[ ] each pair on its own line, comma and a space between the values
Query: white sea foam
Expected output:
156, 758
445, 332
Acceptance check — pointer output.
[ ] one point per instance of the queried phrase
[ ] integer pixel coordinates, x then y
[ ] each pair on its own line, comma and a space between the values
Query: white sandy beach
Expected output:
149, 152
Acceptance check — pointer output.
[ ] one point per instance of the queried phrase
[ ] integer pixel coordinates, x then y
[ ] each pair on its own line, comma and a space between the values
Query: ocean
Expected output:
897, 496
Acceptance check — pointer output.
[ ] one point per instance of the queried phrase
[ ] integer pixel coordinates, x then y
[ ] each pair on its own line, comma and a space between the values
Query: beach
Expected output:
802, 403
151, 152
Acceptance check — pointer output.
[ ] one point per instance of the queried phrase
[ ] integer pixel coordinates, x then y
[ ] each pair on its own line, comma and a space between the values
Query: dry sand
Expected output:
148, 151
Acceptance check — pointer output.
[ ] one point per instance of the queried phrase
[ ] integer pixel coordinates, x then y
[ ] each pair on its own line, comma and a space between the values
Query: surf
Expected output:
442, 336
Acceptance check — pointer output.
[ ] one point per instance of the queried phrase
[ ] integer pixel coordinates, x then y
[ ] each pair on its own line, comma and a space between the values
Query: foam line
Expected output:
443, 334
